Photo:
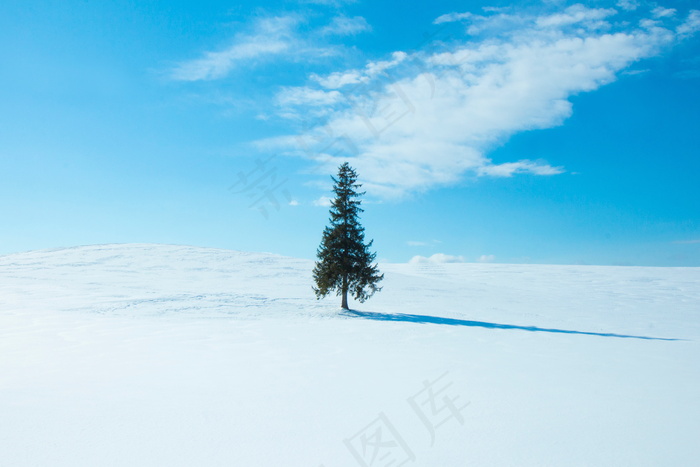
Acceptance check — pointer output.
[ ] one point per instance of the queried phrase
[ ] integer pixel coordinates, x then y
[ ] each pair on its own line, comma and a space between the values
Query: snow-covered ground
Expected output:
154, 355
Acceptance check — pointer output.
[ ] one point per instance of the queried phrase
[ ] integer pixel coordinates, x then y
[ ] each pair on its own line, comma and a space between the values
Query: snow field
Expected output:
142, 355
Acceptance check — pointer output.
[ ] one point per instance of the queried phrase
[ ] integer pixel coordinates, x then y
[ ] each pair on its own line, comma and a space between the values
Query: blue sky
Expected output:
542, 132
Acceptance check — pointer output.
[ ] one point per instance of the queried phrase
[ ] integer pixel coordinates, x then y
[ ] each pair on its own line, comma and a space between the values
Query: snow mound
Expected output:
142, 355
157, 279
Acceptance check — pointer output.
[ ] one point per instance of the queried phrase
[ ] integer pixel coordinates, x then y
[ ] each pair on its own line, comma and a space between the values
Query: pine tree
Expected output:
344, 261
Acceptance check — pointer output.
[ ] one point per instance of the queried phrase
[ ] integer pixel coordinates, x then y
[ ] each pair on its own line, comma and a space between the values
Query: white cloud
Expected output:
270, 36
294, 203
420, 243
334, 3
635, 72
439, 258
337, 80
216, 65
374, 69
323, 201
416, 243
500, 21
345, 26
576, 14
486, 258
691, 25
508, 169
628, 5
435, 115
505, 22
452, 17
306, 96
661, 12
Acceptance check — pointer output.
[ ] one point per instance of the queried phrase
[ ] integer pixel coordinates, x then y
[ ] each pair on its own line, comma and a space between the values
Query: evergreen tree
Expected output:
344, 261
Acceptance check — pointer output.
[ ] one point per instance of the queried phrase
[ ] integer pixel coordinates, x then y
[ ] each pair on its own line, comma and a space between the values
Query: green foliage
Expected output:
344, 261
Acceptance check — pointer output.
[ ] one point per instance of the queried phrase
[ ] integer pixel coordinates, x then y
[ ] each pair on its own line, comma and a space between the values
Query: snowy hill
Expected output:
144, 355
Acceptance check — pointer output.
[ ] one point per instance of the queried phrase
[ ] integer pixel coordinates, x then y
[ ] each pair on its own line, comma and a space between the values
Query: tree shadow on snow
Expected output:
423, 319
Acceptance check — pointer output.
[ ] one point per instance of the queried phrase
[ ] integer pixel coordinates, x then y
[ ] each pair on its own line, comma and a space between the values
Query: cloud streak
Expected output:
269, 37
276, 37
345, 26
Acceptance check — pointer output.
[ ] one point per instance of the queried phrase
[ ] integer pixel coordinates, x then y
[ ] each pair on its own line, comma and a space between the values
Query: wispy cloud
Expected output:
691, 25
661, 12
372, 70
292, 96
269, 37
592, 18
346, 26
266, 38
423, 119
628, 5
508, 169
323, 201
421, 243
333, 3
687, 242
452, 17
416, 243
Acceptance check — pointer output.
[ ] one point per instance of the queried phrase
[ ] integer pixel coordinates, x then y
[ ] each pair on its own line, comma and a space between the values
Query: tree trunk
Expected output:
344, 305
